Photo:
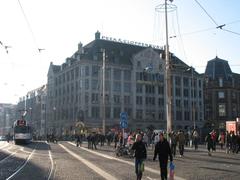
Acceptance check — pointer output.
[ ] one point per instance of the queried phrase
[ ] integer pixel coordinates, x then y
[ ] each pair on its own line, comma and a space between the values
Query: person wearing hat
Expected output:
163, 151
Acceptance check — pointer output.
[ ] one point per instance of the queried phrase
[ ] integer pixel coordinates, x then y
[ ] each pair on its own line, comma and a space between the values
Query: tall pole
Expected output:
193, 102
168, 78
103, 93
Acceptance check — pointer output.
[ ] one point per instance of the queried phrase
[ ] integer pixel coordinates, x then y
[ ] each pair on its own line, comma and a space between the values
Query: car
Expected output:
3, 138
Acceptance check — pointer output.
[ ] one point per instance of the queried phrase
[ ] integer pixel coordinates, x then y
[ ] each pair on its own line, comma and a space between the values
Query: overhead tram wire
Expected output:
29, 25
217, 25
207, 13
207, 29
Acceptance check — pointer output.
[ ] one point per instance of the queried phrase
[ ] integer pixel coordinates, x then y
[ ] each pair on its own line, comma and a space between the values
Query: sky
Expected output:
57, 26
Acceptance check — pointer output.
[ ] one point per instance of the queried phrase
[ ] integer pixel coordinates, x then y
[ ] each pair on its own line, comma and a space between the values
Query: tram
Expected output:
22, 132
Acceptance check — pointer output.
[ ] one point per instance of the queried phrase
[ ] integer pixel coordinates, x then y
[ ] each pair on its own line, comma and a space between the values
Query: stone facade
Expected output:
75, 88
35, 105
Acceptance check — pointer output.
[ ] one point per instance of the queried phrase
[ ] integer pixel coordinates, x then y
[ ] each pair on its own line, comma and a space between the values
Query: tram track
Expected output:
14, 161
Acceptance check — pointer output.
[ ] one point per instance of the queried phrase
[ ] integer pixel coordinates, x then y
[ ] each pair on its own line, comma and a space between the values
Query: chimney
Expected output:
80, 48
97, 35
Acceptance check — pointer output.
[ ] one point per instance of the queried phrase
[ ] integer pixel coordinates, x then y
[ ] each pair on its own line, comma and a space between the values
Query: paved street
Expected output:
40, 160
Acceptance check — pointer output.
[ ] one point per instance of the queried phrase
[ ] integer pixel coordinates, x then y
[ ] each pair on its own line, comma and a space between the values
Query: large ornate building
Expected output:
222, 94
134, 83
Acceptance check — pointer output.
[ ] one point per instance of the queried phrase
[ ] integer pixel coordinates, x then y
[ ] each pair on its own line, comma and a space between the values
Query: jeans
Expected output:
138, 172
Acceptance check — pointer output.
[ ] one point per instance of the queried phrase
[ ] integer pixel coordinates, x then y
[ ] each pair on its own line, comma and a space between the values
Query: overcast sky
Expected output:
59, 25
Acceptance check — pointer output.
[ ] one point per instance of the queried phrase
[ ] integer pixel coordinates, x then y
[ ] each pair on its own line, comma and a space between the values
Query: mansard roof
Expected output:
116, 52
218, 68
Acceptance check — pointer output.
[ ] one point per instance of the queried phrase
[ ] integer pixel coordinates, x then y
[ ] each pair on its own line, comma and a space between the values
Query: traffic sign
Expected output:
123, 120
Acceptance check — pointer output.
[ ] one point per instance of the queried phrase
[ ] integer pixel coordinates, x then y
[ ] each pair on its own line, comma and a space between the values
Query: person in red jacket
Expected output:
163, 151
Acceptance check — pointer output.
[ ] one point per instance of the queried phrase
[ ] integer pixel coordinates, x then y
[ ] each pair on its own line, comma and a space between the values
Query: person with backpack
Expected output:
140, 154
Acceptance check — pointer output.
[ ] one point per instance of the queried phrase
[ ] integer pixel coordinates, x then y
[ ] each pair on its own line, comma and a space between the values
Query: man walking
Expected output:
140, 155
162, 149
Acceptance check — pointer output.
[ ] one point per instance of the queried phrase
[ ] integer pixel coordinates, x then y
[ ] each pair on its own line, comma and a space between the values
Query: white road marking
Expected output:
126, 162
29, 157
51, 159
4, 145
8, 156
90, 165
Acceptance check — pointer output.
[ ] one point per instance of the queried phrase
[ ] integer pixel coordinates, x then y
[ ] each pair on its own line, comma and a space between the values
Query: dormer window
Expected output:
220, 81
138, 64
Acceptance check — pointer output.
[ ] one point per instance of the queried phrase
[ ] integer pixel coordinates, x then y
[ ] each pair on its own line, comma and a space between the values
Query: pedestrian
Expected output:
195, 138
209, 142
181, 142
163, 151
173, 143
221, 139
140, 154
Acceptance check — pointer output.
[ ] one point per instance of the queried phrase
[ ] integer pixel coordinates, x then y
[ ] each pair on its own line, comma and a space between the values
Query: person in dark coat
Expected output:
209, 142
163, 151
140, 154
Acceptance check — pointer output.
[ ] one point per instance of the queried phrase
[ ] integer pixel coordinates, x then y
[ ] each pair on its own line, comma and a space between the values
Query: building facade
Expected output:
35, 105
222, 94
134, 83
7, 118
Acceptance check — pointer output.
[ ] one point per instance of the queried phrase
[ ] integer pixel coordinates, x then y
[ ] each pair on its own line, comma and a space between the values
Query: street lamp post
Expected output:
168, 84
168, 78
103, 93
193, 102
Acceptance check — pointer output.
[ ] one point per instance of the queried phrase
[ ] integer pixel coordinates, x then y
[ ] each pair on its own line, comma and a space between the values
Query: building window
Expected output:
116, 112
222, 110
116, 99
185, 93
186, 115
221, 95
178, 92
179, 115
186, 104
95, 71
128, 111
150, 114
117, 74
161, 116
234, 95
178, 81
108, 112
139, 88
86, 84
117, 86
220, 81
160, 102
127, 75
95, 84
139, 113
95, 112
178, 103
86, 98
107, 73
72, 74
127, 87
95, 98
185, 82
160, 90
76, 72
139, 100
149, 89
127, 100
86, 71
